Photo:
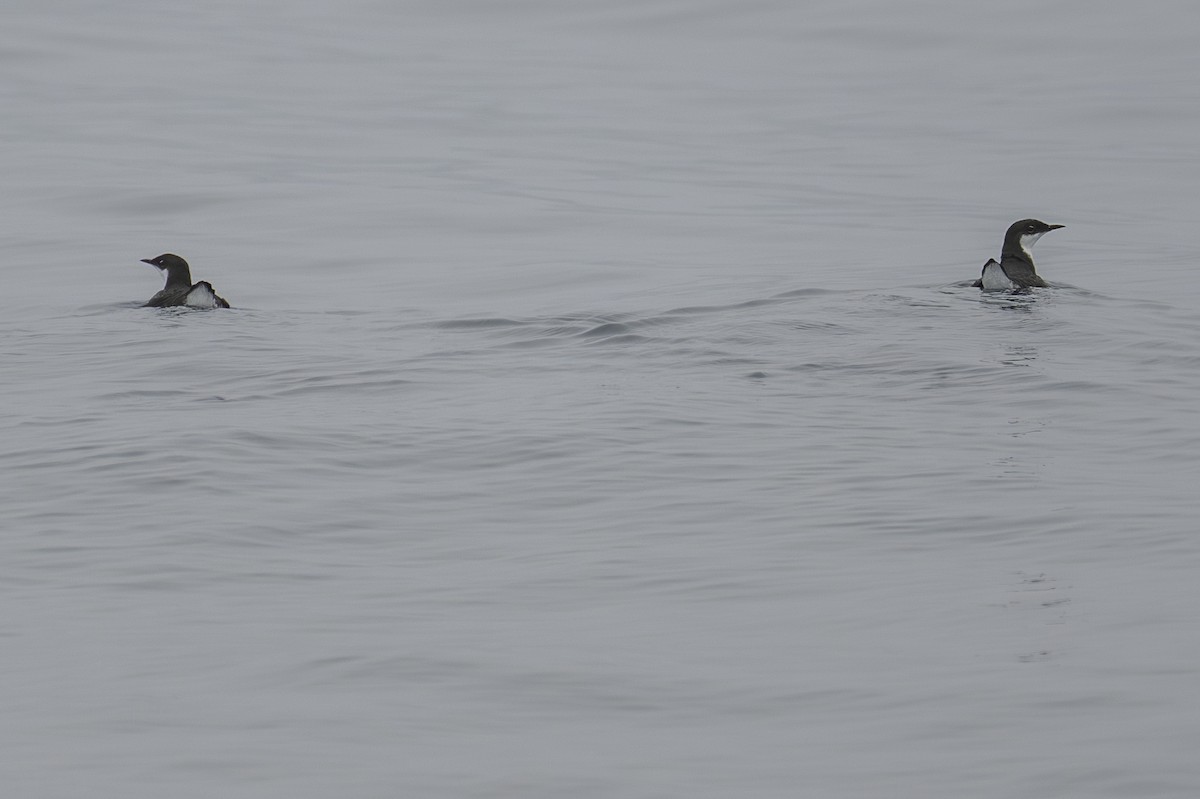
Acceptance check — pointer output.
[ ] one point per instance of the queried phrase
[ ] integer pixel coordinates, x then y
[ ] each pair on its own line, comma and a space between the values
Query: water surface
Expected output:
603, 411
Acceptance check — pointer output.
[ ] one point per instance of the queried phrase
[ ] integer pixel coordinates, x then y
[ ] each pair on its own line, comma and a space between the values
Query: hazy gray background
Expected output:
602, 412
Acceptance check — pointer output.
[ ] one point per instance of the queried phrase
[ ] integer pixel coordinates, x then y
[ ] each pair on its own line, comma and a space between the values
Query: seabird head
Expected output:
175, 267
1022, 235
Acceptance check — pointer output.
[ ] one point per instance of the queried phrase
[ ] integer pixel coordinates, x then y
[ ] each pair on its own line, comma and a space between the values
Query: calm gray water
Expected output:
603, 411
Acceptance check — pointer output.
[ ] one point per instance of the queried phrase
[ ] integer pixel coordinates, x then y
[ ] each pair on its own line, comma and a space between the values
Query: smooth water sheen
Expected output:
604, 410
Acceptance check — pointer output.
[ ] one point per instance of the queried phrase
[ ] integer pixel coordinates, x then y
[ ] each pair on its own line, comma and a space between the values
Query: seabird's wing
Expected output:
978, 284
995, 277
203, 296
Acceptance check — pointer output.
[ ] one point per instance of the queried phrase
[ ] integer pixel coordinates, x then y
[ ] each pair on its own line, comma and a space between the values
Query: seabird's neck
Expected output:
1020, 248
179, 276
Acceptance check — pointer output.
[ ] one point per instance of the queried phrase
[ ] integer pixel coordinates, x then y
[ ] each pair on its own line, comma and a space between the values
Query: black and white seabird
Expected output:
1015, 270
179, 289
